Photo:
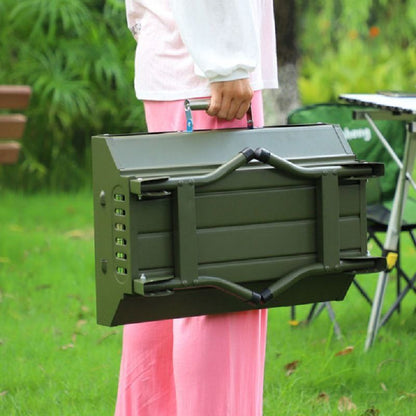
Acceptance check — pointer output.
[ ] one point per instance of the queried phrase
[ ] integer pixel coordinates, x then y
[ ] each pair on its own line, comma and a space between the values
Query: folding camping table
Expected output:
199, 223
390, 106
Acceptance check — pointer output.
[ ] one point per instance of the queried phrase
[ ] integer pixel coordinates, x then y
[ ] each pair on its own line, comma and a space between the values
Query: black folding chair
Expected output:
366, 145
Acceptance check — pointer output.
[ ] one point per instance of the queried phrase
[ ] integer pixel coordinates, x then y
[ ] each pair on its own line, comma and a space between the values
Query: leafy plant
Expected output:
78, 58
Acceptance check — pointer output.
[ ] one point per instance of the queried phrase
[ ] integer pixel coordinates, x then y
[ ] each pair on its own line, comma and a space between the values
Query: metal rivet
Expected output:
102, 198
104, 266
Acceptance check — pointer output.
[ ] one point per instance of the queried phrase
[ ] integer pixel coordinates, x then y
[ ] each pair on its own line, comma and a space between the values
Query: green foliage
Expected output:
353, 46
78, 58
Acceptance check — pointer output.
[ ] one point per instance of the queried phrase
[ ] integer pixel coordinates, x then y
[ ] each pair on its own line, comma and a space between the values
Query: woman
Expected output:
225, 49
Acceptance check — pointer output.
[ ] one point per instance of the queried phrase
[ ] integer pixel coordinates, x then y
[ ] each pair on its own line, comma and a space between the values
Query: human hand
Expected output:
230, 99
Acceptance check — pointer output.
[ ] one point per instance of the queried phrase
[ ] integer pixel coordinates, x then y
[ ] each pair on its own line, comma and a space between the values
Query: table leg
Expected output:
393, 231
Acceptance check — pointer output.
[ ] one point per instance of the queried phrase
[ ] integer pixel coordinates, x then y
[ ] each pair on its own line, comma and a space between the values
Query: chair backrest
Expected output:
362, 139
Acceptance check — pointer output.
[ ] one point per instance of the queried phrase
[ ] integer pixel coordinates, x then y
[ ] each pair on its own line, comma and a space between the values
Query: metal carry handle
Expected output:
197, 104
203, 104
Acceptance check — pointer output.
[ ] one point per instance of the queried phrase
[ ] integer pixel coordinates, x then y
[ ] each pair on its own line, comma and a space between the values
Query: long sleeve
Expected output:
183, 45
220, 36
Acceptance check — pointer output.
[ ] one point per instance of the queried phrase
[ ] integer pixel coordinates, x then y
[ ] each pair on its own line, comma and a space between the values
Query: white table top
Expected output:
403, 104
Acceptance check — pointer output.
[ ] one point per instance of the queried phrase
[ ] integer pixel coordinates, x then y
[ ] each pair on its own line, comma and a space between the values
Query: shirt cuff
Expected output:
239, 73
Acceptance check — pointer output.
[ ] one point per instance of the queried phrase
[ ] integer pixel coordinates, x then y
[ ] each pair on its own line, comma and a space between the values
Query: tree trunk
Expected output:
279, 103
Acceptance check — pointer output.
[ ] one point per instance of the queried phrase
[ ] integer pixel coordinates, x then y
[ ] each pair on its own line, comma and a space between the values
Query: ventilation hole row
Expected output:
120, 227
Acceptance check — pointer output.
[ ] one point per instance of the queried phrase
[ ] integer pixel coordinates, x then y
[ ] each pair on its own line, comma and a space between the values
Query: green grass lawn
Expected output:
55, 360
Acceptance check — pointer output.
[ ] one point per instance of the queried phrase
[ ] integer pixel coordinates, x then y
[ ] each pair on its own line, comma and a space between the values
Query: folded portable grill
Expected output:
226, 220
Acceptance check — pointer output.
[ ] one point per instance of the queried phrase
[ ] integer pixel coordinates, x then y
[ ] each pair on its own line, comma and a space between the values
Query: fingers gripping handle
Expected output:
203, 104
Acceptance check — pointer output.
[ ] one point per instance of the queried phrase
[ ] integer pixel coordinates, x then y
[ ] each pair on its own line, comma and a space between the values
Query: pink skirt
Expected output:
201, 366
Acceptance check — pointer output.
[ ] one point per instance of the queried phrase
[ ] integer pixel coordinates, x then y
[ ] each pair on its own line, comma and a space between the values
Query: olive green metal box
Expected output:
228, 220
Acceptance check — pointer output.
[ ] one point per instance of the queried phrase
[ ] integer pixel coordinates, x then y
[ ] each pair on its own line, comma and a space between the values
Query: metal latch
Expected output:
136, 187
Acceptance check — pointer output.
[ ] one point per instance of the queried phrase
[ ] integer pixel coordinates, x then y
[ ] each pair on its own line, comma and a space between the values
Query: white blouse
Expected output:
183, 45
